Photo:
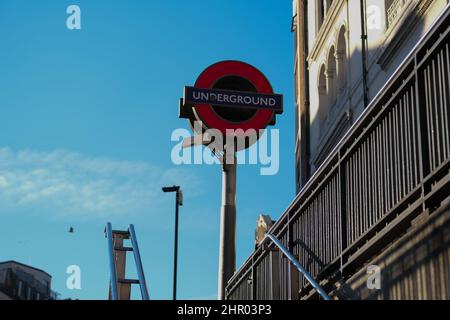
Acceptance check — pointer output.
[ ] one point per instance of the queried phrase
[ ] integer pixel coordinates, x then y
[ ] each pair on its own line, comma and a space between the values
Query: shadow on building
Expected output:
379, 196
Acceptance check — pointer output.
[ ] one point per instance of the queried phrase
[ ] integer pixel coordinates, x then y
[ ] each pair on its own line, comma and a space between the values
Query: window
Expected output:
19, 288
322, 89
323, 7
320, 13
331, 77
341, 57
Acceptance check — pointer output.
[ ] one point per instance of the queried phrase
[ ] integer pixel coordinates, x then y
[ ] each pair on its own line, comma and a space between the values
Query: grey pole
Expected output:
178, 203
227, 250
175, 255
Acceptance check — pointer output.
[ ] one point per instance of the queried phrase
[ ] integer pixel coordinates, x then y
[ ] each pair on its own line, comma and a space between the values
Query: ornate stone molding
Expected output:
401, 30
327, 26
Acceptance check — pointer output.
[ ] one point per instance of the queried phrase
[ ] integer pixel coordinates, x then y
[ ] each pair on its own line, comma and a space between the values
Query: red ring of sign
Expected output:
223, 69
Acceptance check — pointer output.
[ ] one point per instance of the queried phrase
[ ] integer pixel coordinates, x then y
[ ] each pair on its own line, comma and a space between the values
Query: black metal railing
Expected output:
392, 165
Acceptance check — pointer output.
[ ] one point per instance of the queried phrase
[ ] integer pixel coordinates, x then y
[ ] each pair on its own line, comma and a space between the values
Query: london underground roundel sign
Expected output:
231, 95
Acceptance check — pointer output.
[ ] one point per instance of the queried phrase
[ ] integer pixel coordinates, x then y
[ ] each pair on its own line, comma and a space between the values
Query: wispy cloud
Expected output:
65, 183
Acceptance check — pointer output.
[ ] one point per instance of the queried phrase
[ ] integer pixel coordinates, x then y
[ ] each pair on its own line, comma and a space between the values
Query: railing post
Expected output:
422, 128
254, 275
274, 259
293, 276
343, 208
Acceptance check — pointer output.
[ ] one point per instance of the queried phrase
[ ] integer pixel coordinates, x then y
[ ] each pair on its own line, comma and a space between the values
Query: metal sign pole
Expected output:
227, 251
230, 86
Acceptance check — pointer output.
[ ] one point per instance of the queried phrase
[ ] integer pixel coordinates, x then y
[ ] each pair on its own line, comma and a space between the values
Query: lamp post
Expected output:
178, 202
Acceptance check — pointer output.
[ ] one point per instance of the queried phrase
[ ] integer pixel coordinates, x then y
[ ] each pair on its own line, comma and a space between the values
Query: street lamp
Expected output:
178, 202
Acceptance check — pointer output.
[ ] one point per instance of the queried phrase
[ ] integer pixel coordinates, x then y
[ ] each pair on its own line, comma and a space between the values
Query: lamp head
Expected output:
171, 189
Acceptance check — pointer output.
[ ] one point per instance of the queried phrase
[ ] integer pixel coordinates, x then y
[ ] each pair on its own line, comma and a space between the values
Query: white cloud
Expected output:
65, 183
3, 182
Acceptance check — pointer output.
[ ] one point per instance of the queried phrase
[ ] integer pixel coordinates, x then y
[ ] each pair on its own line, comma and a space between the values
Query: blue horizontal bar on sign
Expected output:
233, 99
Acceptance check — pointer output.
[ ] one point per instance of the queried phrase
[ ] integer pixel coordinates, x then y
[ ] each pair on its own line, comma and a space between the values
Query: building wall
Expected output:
4, 296
390, 177
335, 62
416, 267
41, 276
19, 281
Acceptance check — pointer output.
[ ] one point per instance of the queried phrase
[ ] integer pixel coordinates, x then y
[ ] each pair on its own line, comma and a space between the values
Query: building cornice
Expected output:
13, 262
401, 31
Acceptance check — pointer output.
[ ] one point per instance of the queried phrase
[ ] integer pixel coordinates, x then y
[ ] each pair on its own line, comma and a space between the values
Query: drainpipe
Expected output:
303, 76
363, 6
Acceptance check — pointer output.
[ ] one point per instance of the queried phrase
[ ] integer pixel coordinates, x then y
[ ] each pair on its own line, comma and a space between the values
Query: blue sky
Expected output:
87, 116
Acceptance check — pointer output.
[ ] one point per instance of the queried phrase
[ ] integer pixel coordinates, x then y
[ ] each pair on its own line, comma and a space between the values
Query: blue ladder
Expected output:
120, 287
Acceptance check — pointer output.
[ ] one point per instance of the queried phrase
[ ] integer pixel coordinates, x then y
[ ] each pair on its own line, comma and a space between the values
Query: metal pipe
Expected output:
363, 6
112, 266
137, 259
294, 261
304, 86
227, 251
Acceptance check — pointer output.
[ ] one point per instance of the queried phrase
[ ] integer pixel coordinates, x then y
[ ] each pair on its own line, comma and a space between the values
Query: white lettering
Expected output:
374, 17
74, 280
196, 95
374, 280
179, 155
272, 160
74, 20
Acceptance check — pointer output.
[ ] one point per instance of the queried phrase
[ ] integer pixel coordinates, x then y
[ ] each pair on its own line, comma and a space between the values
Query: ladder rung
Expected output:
123, 248
125, 234
129, 281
